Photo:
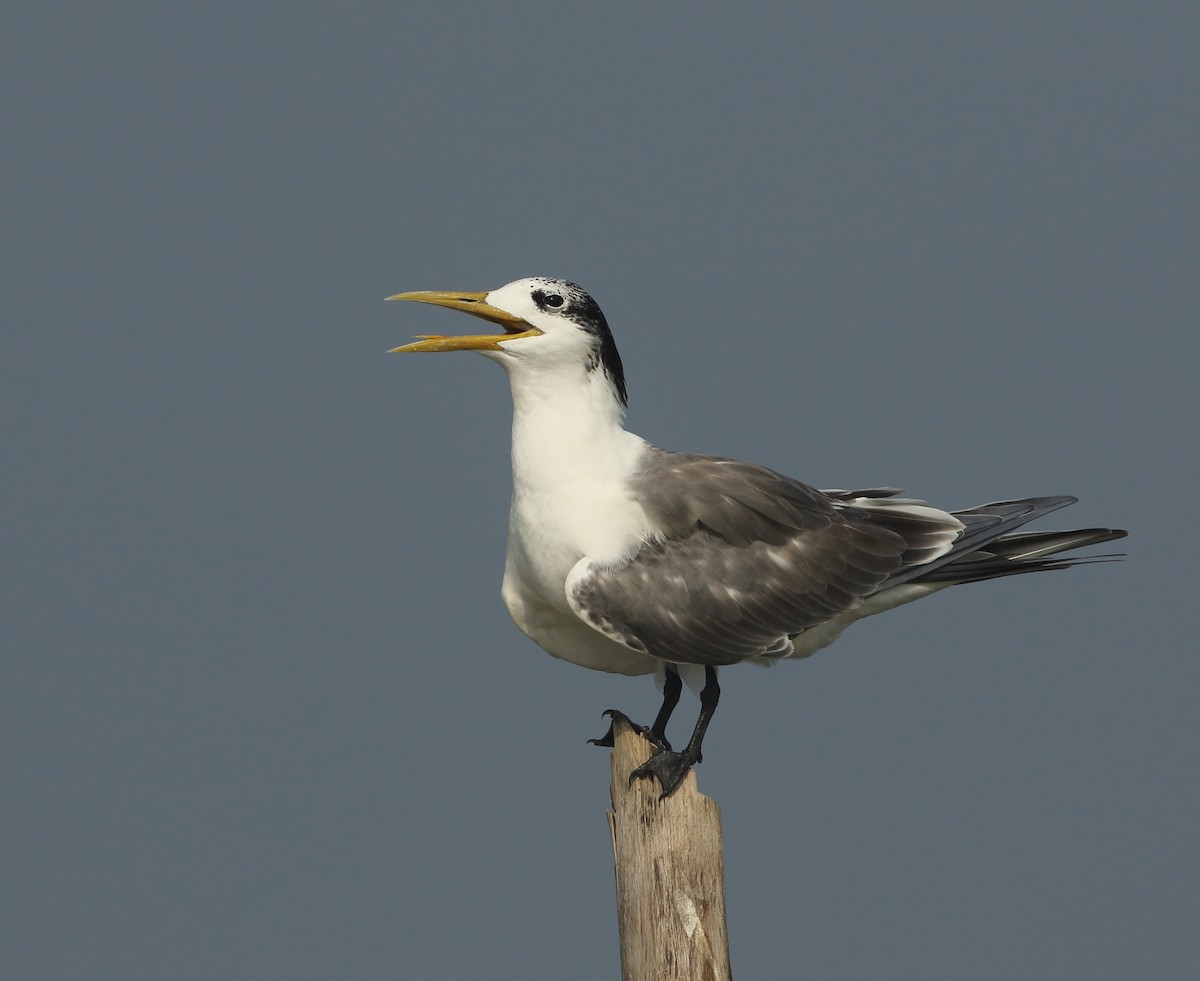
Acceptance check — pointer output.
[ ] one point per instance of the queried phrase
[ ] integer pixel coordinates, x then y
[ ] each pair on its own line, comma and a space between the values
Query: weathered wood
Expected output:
670, 874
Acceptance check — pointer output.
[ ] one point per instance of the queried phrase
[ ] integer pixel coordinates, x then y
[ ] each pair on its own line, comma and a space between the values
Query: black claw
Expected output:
659, 742
605, 740
669, 767
614, 714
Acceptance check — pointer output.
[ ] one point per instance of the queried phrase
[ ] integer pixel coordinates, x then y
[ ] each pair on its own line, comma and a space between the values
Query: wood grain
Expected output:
670, 873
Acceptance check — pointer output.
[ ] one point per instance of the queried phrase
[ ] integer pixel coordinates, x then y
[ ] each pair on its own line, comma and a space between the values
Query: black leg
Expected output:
657, 733
672, 686
671, 767
709, 696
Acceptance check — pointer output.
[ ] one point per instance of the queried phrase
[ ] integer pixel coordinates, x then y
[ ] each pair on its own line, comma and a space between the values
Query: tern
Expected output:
627, 558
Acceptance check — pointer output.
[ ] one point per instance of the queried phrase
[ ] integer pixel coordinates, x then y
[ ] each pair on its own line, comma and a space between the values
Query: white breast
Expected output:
570, 501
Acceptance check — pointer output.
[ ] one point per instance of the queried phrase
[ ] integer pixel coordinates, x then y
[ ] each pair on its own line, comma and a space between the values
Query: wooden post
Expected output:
670, 873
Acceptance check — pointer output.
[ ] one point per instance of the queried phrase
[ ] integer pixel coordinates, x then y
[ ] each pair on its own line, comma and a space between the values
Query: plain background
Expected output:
263, 713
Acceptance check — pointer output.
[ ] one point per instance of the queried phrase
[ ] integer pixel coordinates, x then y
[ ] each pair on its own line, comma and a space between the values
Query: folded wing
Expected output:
748, 557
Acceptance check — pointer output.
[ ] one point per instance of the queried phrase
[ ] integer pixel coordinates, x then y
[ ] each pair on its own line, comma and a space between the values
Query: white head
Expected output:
548, 324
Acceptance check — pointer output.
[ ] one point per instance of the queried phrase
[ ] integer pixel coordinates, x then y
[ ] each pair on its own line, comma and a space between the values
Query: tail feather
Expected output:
1011, 555
988, 548
1038, 544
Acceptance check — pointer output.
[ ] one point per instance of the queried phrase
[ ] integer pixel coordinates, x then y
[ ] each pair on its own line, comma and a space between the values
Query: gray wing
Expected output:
749, 557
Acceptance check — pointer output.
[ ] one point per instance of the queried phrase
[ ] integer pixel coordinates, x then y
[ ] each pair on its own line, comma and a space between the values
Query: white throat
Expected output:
571, 457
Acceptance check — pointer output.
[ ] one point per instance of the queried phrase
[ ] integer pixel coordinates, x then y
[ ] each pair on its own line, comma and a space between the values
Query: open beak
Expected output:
472, 303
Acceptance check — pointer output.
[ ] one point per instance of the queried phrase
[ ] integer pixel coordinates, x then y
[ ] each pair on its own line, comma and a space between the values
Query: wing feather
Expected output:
748, 557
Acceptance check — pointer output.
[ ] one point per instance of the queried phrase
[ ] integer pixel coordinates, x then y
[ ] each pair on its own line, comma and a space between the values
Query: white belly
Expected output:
547, 537
561, 633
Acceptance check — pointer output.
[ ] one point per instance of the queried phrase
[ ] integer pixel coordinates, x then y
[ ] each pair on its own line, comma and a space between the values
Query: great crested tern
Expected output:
627, 558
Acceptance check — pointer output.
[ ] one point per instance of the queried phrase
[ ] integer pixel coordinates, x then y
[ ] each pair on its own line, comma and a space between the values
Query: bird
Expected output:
628, 558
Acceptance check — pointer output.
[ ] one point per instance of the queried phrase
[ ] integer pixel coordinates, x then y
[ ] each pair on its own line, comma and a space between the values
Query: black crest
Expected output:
578, 306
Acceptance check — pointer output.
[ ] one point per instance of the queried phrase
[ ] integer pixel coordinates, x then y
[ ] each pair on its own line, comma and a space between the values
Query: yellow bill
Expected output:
475, 304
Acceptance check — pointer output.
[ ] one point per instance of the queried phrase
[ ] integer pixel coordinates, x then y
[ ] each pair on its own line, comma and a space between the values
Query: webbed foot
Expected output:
669, 767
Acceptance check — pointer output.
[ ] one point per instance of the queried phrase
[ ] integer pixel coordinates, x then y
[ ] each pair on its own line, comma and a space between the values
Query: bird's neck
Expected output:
568, 435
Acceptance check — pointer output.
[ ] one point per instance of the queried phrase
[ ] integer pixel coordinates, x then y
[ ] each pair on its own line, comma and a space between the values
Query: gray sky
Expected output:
263, 713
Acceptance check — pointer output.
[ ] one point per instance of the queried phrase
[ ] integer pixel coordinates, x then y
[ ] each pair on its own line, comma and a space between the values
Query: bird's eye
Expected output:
544, 299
